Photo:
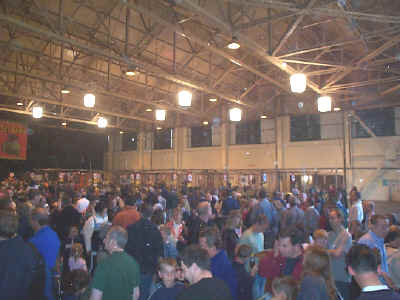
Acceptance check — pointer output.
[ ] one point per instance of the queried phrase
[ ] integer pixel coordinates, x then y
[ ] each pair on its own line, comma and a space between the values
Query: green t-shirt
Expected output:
116, 276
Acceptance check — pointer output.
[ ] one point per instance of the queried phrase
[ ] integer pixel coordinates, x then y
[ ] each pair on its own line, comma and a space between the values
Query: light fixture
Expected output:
234, 44
205, 122
65, 90
133, 140
161, 114
158, 127
149, 109
89, 100
284, 65
64, 123
20, 103
235, 114
263, 117
121, 132
337, 109
324, 104
212, 99
298, 83
185, 98
37, 112
131, 71
102, 122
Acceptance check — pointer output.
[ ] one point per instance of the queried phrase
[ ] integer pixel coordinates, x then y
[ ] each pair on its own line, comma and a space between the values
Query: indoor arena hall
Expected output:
199, 149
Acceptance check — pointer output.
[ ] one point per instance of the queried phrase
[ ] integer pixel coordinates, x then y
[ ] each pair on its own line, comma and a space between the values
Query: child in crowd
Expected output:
284, 288
321, 238
168, 288
169, 242
76, 260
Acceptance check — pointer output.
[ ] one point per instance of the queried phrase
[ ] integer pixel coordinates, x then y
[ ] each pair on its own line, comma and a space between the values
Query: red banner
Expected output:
13, 140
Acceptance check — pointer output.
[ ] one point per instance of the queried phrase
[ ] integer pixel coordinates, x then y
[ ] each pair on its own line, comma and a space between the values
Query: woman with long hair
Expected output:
317, 282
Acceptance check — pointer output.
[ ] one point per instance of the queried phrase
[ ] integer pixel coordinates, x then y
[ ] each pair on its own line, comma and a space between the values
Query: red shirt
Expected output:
126, 217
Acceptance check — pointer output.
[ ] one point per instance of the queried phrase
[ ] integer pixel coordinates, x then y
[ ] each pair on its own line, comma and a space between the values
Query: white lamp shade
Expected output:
235, 114
89, 100
37, 112
324, 104
102, 122
298, 83
185, 98
161, 114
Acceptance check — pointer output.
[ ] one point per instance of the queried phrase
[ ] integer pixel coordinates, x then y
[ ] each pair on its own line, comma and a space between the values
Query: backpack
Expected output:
145, 244
37, 286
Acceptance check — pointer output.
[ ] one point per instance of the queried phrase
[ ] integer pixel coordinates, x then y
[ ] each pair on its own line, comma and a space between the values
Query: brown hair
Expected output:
287, 285
8, 223
317, 263
169, 261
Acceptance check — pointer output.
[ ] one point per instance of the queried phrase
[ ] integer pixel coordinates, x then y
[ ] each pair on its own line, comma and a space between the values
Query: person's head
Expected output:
77, 250
194, 260
165, 232
379, 225
146, 211
76, 281
284, 288
290, 242
335, 218
8, 224
393, 237
362, 261
101, 209
354, 195
167, 271
243, 253
116, 239
233, 220
210, 240
177, 215
260, 223
39, 218
73, 232
262, 194
204, 209
317, 263
392, 219
320, 237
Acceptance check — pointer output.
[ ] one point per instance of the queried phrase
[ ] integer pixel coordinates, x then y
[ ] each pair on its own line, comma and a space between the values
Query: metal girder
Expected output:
156, 73
317, 11
292, 28
390, 90
362, 123
251, 45
336, 77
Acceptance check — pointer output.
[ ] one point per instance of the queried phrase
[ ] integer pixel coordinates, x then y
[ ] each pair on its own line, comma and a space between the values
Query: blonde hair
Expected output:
77, 250
320, 234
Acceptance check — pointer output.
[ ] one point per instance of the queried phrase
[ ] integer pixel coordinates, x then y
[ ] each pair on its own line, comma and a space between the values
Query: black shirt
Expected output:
206, 289
244, 280
379, 295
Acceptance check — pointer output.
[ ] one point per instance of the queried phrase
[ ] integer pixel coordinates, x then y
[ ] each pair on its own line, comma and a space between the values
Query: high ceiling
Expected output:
349, 49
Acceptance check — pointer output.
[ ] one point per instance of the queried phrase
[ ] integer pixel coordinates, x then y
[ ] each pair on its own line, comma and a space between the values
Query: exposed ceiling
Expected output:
349, 49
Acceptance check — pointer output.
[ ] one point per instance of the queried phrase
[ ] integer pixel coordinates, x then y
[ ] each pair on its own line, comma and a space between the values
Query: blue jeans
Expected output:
145, 283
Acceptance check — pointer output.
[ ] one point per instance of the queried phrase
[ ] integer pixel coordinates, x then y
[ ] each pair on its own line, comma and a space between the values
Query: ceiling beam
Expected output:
336, 77
250, 44
156, 73
292, 28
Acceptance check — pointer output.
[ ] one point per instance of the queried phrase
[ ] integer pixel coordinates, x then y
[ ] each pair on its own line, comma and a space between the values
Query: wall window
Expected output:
129, 141
163, 139
382, 122
201, 136
305, 128
248, 133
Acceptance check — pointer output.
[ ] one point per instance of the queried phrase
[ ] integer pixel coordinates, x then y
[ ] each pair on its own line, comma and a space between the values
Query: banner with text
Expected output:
13, 140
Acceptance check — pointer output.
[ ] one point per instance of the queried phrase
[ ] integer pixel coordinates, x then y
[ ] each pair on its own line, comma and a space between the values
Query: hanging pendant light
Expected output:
185, 98
89, 100
102, 122
324, 104
37, 112
298, 83
235, 114
161, 114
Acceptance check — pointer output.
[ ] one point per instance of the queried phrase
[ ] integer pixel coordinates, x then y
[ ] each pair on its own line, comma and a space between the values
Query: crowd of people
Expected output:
153, 242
